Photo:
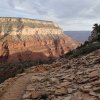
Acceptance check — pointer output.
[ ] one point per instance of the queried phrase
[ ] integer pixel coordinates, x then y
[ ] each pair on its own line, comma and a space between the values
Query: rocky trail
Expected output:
65, 79
16, 90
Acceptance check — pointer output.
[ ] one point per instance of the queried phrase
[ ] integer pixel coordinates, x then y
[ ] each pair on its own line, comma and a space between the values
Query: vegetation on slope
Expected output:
10, 70
84, 49
91, 45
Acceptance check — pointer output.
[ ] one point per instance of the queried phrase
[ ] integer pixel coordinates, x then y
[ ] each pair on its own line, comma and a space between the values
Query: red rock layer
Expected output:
32, 40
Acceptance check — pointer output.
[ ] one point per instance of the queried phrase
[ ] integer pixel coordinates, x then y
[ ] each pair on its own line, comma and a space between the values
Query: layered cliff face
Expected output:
29, 40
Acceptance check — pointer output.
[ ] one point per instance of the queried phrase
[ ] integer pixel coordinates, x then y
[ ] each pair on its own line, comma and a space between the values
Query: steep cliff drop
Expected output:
32, 40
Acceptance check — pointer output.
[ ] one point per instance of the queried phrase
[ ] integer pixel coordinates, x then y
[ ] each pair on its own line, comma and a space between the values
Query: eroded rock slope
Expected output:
65, 79
29, 40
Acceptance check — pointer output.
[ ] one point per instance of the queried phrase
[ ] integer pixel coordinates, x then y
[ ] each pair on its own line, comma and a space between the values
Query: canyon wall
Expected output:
32, 40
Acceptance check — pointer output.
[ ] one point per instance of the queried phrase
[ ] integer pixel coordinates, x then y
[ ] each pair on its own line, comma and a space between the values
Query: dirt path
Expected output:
16, 91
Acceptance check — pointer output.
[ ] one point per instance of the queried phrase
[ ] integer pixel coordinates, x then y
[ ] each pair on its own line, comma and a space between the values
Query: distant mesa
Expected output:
80, 36
29, 40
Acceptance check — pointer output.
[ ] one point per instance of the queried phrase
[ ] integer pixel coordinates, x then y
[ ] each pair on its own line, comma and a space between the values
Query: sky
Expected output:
68, 14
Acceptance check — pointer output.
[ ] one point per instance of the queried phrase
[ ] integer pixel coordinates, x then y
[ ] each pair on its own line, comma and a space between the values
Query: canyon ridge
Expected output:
31, 40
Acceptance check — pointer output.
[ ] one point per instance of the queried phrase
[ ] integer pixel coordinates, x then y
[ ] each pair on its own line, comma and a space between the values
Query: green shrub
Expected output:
84, 49
8, 70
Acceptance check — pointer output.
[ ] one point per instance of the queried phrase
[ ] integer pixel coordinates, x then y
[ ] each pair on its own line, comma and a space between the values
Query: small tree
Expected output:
95, 33
96, 28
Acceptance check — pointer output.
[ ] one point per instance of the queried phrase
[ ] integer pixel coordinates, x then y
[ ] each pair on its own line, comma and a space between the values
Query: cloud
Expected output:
69, 14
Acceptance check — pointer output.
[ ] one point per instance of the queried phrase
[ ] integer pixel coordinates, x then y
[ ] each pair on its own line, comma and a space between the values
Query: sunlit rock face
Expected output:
32, 40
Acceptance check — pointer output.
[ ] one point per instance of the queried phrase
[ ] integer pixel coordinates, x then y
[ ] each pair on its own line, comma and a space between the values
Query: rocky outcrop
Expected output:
65, 79
75, 79
29, 40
